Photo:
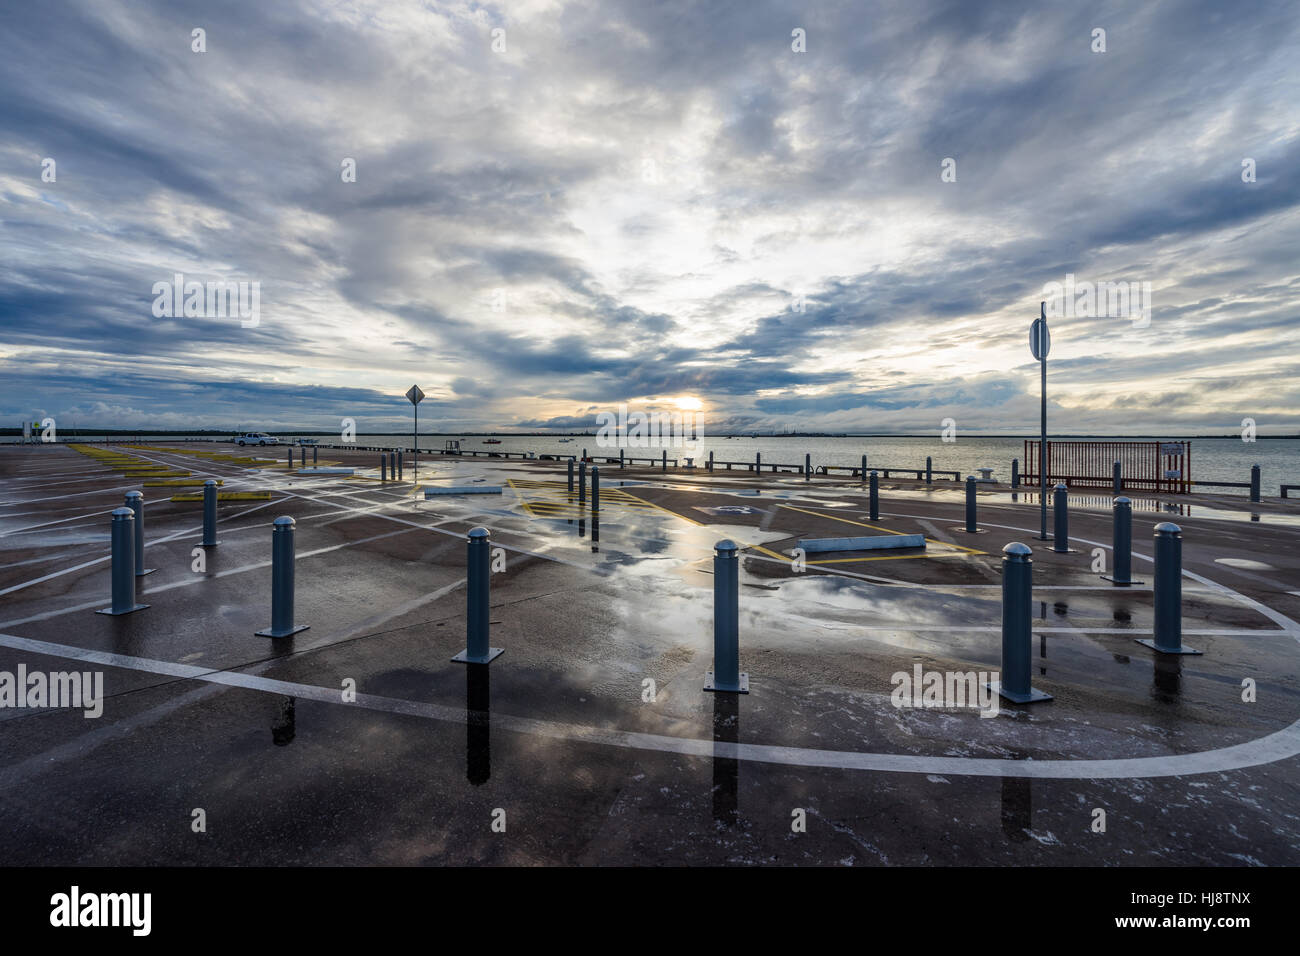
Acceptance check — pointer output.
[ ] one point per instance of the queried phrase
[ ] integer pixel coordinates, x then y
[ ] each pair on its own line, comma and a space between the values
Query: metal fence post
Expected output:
1061, 519
595, 487
282, 580
210, 513
1017, 651
1015, 472
122, 538
875, 497
135, 501
970, 505
726, 674
1254, 482
477, 600
1168, 599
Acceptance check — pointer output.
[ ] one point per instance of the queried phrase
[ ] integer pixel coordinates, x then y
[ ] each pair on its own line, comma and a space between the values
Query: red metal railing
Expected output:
1147, 465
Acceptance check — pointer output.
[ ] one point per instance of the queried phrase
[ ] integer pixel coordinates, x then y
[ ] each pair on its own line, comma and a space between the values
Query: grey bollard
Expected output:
1168, 599
1017, 650
595, 487
875, 497
401, 466
582, 483
971, 527
807, 467
282, 581
758, 462
290, 451
1117, 478
620, 459
383, 467
1254, 482
315, 455
584, 454
135, 501
1122, 541
928, 479
1061, 519
864, 467
477, 603
570, 476
1015, 472
123, 544
710, 461
210, 513
726, 675
392, 465
665, 464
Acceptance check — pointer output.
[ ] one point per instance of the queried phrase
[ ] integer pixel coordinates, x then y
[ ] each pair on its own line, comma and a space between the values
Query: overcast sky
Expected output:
655, 203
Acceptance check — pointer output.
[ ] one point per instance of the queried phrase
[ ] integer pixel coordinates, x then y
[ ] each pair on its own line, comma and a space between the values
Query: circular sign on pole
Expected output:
1040, 339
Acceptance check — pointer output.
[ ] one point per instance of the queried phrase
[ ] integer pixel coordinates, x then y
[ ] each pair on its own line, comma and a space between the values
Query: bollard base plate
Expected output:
111, 612
464, 656
140, 574
965, 530
1064, 550
1148, 642
711, 685
1122, 584
1032, 697
209, 544
270, 632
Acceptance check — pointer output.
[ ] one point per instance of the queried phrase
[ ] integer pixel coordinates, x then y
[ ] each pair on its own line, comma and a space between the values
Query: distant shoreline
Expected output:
65, 434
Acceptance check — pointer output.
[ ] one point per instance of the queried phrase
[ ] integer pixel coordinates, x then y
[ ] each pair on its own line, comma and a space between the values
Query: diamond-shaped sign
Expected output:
414, 395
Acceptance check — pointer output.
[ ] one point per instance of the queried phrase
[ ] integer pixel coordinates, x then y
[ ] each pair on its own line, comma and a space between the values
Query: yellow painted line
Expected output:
226, 496
942, 544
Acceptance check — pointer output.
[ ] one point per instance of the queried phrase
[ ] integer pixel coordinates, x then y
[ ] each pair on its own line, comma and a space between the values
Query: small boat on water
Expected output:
563, 440
491, 441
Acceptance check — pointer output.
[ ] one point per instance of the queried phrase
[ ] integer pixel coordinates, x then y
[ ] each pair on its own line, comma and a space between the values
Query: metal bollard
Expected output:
123, 544
1015, 472
726, 674
282, 580
477, 605
875, 497
929, 480
290, 451
807, 467
392, 465
383, 467
1254, 482
315, 455
582, 483
595, 487
758, 462
620, 459
665, 464
210, 513
1117, 478
1122, 540
135, 501
1061, 519
401, 466
971, 527
710, 461
864, 467
1168, 591
584, 454
570, 476
1017, 651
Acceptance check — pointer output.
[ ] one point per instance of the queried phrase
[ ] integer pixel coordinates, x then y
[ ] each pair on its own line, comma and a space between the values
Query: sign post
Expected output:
1040, 342
415, 396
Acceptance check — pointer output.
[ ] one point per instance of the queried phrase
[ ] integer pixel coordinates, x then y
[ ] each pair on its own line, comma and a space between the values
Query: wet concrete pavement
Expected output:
562, 736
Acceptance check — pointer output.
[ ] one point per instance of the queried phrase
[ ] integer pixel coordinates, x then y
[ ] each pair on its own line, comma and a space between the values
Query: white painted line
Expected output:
1279, 745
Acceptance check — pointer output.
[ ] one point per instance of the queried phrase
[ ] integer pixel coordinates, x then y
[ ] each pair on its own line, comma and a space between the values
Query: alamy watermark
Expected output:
54, 689
647, 429
1115, 300
191, 299
945, 690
